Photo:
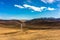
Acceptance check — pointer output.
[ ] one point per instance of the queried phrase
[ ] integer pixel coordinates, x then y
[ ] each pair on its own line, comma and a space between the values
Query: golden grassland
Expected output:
18, 34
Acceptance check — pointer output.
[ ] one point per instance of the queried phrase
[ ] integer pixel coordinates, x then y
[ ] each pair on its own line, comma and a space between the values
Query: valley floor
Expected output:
17, 34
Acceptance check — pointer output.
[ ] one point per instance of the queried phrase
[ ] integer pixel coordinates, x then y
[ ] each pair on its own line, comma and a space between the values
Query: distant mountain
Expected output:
10, 22
34, 23
44, 23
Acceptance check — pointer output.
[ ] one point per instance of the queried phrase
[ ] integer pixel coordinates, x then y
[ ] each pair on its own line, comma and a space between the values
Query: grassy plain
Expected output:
28, 34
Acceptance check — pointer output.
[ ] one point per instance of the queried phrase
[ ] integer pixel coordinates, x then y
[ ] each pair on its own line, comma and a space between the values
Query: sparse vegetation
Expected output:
32, 30
16, 34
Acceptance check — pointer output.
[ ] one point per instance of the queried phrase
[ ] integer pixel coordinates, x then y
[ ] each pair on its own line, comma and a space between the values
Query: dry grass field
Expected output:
17, 34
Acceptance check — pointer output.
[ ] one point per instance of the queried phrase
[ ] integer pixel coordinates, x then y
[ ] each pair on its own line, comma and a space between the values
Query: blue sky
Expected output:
29, 9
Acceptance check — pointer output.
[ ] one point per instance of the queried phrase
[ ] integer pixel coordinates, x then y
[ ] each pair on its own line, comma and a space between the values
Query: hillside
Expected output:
38, 23
10, 23
44, 23
10, 29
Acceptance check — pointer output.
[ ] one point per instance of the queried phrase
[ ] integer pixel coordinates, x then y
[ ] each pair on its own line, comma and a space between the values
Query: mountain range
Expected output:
34, 23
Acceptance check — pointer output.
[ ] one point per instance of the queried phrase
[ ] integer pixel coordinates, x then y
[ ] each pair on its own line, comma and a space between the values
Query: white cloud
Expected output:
43, 8
18, 6
34, 8
48, 1
39, 9
51, 9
